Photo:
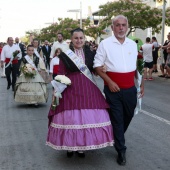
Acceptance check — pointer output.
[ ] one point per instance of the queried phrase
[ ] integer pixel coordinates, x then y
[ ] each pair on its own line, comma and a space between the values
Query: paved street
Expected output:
23, 131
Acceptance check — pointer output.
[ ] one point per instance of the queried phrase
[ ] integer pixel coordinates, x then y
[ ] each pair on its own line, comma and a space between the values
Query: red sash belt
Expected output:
123, 80
15, 61
55, 69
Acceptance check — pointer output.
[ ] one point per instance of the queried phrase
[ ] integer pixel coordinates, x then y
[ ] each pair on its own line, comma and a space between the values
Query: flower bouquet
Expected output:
63, 79
28, 70
140, 66
59, 83
15, 54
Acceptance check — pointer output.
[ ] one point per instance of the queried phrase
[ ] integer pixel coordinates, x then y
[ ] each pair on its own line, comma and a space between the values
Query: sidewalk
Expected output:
156, 75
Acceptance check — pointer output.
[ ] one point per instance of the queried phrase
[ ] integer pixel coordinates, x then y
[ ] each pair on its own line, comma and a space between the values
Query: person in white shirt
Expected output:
21, 46
11, 64
119, 54
147, 49
59, 44
54, 64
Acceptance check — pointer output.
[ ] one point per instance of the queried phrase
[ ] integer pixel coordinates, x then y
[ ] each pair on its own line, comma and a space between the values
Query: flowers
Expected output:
140, 64
59, 83
15, 54
63, 79
28, 70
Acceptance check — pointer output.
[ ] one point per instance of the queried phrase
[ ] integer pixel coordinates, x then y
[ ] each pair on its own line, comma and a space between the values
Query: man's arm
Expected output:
111, 84
142, 89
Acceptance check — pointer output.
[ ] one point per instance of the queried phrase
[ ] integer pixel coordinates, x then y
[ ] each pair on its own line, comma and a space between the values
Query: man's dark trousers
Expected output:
122, 105
12, 68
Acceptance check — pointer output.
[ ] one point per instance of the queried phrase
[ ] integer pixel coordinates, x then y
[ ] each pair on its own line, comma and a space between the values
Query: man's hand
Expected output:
141, 92
104, 68
141, 89
113, 87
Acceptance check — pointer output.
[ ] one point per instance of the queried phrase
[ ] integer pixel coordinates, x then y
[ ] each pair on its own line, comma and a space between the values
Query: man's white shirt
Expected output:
7, 51
117, 57
147, 52
64, 47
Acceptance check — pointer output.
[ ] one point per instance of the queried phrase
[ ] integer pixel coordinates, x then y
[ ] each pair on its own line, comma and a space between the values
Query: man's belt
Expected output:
15, 61
123, 80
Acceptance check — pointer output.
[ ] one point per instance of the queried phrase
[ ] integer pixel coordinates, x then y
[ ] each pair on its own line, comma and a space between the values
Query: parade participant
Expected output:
55, 63
119, 54
46, 49
10, 55
38, 52
2, 69
80, 122
59, 44
30, 86
21, 46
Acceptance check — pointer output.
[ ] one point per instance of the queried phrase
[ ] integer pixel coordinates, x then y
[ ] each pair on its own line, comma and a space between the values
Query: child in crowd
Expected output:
55, 63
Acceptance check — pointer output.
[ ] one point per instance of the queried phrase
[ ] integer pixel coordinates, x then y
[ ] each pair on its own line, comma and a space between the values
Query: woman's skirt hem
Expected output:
80, 148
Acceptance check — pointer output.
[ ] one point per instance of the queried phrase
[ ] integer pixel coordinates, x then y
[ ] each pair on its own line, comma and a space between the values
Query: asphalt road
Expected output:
23, 131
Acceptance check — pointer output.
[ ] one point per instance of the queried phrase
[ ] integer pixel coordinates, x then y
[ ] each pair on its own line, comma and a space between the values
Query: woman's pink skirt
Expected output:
85, 129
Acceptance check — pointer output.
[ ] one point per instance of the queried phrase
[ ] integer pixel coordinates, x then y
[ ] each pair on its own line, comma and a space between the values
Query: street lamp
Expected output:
78, 10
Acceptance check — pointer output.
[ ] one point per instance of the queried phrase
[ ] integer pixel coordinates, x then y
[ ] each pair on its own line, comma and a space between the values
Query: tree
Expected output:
139, 15
63, 26
94, 31
167, 20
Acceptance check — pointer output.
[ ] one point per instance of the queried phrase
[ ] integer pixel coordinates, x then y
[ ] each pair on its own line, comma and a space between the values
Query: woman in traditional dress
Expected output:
31, 90
80, 122
2, 69
38, 53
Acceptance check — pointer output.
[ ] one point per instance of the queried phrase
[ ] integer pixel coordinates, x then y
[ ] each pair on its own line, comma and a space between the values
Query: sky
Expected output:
19, 16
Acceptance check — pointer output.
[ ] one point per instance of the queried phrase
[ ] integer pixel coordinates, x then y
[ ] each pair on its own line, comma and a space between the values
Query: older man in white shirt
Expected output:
59, 44
119, 54
11, 64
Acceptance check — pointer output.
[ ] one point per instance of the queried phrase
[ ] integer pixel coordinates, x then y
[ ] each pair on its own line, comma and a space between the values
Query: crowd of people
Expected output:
78, 122
149, 50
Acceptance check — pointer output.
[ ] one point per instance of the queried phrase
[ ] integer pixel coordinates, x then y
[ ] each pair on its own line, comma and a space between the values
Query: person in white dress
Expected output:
31, 90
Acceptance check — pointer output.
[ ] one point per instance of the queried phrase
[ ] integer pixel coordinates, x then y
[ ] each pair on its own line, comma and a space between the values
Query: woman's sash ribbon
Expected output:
80, 64
41, 62
30, 62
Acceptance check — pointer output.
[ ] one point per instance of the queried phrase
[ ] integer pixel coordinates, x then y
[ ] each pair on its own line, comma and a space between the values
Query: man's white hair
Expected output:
117, 17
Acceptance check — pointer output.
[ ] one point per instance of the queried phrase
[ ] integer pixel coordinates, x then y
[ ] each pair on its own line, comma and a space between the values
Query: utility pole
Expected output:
78, 10
163, 26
